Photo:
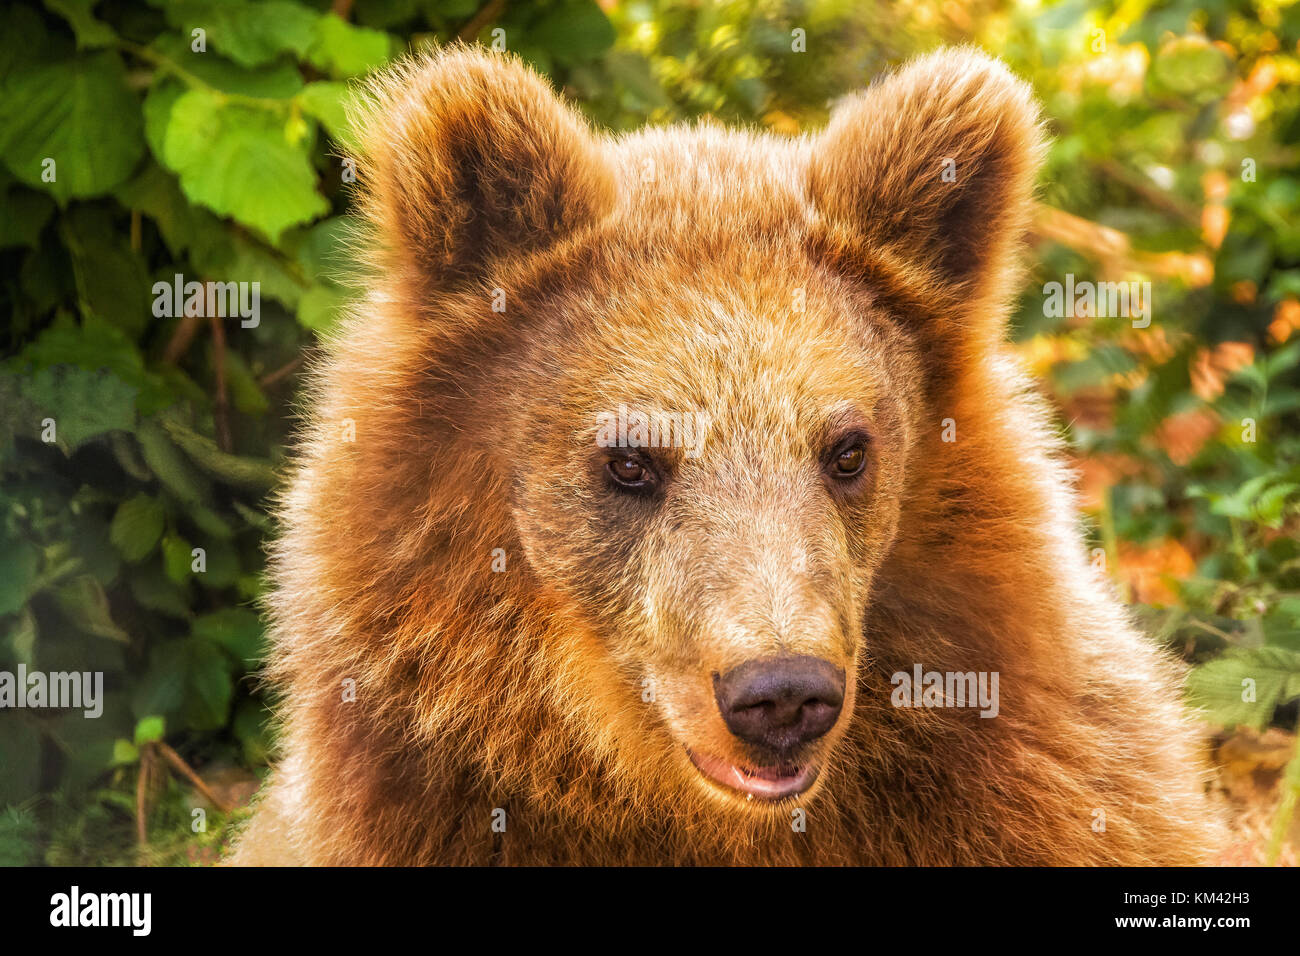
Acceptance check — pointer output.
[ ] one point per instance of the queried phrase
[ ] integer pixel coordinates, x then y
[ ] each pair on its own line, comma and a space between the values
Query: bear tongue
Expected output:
771, 782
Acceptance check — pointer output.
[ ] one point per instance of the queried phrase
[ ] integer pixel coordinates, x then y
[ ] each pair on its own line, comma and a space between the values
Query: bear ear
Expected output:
468, 156
924, 182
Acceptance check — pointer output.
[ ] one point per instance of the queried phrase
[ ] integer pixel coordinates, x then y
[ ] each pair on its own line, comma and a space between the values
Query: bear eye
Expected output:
630, 472
849, 458
850, 461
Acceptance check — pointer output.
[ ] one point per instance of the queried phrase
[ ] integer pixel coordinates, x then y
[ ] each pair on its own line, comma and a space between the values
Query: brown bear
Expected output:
674, 498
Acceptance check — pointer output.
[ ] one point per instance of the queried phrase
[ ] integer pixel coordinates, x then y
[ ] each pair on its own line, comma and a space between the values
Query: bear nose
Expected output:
780, 702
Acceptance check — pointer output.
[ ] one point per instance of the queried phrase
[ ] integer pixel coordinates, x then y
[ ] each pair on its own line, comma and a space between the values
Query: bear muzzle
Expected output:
777, 708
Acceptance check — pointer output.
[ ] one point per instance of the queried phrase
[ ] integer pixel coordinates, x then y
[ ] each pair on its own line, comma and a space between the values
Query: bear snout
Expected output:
780, 703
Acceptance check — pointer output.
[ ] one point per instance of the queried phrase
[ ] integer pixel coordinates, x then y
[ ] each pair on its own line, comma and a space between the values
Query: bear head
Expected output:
680, 380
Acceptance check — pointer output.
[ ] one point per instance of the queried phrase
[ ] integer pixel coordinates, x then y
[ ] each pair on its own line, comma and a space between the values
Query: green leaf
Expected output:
1281, 625
1271, 675
83, 404
24, 41
188, 679
235, 160
237, 258
137, 527
1191, 66
636, 80
250, 727
256, 519
81, 115
391, 13
150, 729
275, 81
83, 602
237, 629
573, 31
43, 278
96, 345
320, 308
21, 638
125, 753
19, 837
210, 523
112, 280
172, 468
90, 32
231, 469
87, 746
20, 755
19, 561
65, 647
183, 226
221, 565
152, 589
158, 105
250, 33
91, 544
178, 559
342, 49
327, 251
245, 393
23, 214
326, 101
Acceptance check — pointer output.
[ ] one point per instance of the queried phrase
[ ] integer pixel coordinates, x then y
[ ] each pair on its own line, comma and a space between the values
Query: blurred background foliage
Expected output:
208, 138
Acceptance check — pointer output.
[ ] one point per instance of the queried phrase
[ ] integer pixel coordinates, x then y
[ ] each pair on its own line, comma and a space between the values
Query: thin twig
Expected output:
221, 403
284, 371
181, 767
1211, 629
161, 62
141, 794
181, 337
1175, 205
470, 31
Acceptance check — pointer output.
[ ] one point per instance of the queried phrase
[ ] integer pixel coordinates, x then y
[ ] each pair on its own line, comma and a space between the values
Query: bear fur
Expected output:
485, 654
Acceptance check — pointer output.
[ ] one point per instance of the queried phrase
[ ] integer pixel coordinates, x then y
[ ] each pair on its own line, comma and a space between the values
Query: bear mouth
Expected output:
772, 783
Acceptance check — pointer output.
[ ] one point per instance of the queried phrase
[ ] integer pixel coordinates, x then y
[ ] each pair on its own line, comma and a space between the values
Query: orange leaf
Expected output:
1214, 224
1286, 320
1210, 368
1151, 569
1185, 434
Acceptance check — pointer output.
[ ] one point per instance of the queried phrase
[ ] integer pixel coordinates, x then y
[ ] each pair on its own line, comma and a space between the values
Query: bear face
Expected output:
646, 499
709, 501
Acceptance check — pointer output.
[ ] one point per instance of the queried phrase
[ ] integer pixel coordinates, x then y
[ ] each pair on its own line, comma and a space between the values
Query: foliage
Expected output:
205, 139
138, 450
1181, 133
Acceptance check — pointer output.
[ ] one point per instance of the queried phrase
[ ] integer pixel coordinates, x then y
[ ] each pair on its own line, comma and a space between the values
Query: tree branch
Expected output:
1114, 250
471, 30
